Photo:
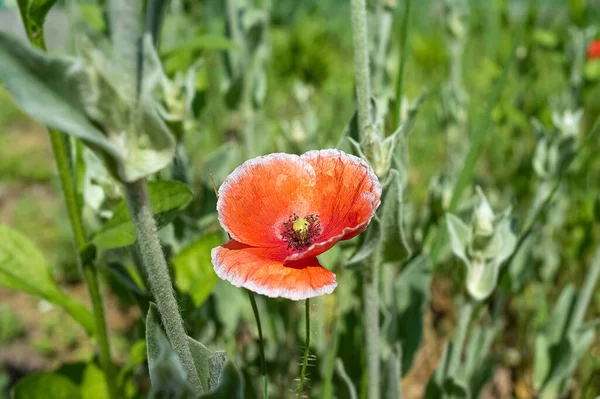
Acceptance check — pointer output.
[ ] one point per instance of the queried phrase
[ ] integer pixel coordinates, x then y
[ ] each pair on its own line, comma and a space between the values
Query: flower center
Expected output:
300, 232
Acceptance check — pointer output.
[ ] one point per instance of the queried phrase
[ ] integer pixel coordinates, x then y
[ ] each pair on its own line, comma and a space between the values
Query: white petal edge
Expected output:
295, 295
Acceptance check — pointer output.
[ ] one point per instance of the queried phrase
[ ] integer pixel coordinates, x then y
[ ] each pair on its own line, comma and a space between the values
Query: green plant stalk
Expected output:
587, 291
475, 149
306, 349
361, 64
261, 345
460, 336
87, 266
372, 330
384, 15
402, 62
158, 276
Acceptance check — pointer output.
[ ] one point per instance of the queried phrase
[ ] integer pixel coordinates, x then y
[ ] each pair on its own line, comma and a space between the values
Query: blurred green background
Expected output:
309, 101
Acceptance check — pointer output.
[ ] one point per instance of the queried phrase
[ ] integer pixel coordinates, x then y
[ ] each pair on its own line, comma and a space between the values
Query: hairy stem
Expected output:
372, 333
261, 345
361, 63
397, 109
158, 276
306, 350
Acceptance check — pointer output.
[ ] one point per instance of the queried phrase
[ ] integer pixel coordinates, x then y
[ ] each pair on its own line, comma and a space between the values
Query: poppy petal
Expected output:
261, 194
263, 271
348, 196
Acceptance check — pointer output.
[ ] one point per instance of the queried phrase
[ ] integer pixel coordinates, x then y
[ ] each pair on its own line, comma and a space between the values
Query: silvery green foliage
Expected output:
469, 377
100, 191
379, 150
556, 148
167, 375
178, 94
219, 377
90, 97
559, 346
483, 245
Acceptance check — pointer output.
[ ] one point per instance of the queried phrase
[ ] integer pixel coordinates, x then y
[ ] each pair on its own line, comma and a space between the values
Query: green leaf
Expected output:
92, 98
459, 236
231, 385
122, 274
167, 375
137, 356
168, 199
216, 365
166, 371
39, 386
33, 14
23, 268
201, 355
411, 291
43, 86
193, 268
93, 385
368, 243
393, 241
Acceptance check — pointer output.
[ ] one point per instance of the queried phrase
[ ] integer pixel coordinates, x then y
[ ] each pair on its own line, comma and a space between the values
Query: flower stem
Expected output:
361, 63
403, 56
372, 333
306, 349
158, 276
261, 345
89, 271
460, 336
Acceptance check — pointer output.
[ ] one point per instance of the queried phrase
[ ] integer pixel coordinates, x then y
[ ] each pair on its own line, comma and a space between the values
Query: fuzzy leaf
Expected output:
90, 98
231, 385
44, 86
38, 386
201, 355
168, 199
167, 375
23, 268
459, 236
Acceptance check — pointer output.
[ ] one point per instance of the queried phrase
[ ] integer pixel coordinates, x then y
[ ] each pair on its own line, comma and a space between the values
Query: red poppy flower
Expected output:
593, 51
283, 210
